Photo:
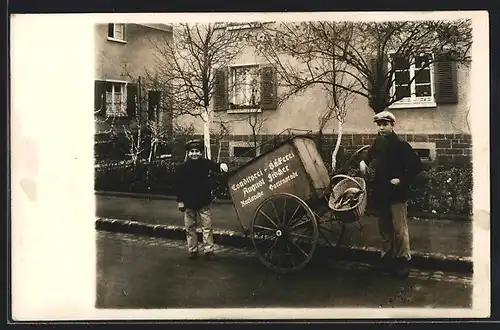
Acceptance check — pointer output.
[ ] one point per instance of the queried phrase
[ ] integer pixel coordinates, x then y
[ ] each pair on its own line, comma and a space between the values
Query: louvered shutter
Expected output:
131, 100
445, 81
111, 30
269, 88
100, 98
221, 90
154, 98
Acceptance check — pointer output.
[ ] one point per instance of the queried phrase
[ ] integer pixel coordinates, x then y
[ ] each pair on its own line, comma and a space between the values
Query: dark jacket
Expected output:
193, 182
392, 157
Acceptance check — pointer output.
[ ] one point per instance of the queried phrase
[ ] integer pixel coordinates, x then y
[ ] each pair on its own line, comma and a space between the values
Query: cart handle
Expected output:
349, 178
354, 155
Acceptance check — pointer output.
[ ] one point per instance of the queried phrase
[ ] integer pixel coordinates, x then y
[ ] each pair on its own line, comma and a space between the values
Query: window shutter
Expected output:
131, 99
220, 90
111, 30
268, 88
445, 77
154, 98
379, 98
100, 98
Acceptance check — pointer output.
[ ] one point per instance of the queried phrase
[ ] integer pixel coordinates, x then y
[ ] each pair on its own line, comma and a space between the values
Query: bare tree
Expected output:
358, 58
298, 52
372, 51
220, 130
188, 64
103, 119
143, 129
113, 118
134, 135
256, 122
158, 136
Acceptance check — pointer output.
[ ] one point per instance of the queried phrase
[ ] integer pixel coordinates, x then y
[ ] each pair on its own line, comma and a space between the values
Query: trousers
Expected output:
393, 227
191, 218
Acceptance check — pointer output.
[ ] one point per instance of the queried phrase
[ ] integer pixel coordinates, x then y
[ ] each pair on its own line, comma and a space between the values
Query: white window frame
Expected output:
230, 92
113, 38
414, 101
242, 144
114, 113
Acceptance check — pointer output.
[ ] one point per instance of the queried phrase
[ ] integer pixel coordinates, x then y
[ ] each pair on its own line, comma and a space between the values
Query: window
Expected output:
413, 80
244, 91
245, 88
116, 32
244, 152
424, 154
116, 99
425, 150
243, 149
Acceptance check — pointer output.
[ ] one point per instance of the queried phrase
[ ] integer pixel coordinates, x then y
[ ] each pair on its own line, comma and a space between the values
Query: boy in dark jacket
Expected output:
396, 166
194, 196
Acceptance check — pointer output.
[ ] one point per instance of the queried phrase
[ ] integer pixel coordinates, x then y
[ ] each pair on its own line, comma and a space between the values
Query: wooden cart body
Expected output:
282, 199
294, 167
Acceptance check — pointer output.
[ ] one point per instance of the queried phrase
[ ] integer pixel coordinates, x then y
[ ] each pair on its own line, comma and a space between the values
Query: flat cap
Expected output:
384, 116
193, 144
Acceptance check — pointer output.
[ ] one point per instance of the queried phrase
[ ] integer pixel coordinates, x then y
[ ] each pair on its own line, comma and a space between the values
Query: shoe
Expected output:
402, 268
193, 255
210, 256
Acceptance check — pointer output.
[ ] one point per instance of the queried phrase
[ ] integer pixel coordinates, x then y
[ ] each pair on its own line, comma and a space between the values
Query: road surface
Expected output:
144, 272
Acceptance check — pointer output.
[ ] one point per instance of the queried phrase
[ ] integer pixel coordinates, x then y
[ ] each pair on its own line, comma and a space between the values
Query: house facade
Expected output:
434, 120
122, 54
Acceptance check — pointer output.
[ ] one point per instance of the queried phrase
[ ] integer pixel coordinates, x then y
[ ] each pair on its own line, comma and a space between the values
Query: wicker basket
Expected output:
355, 212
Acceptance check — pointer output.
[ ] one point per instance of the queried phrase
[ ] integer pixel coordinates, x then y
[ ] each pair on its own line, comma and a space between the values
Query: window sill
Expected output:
413, 105
117, 40
250, 110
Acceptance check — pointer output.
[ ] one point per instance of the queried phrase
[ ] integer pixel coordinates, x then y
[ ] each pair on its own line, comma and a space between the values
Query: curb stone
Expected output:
368, 254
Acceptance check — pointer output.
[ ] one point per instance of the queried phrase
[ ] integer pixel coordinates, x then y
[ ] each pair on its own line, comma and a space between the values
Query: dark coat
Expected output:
192, 184
392, 157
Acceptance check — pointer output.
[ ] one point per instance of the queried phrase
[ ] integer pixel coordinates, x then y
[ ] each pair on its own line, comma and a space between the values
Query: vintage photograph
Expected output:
284, 164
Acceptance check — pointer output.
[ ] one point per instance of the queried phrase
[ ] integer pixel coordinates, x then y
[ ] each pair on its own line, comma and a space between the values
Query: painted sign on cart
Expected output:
278, 171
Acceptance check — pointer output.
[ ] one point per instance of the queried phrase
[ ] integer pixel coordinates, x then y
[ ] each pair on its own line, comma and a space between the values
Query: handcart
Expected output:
286, 202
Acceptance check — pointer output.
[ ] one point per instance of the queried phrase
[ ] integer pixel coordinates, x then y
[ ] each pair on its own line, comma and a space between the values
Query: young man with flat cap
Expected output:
194, 196
396, 166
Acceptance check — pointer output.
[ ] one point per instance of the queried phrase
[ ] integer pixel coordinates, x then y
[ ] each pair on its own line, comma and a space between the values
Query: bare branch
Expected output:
313, 46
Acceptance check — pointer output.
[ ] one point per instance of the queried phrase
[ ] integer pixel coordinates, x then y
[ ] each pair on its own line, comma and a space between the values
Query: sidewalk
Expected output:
432, 241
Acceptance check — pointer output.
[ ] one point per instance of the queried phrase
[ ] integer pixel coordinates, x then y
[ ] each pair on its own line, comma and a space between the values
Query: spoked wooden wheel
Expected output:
284, 232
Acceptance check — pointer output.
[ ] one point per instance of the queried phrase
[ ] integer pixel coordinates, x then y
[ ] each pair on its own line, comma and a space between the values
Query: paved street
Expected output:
145, 272
446, 237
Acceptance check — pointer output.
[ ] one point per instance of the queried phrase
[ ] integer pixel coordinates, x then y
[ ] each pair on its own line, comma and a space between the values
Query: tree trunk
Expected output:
152, 147
219, 150
337, 147
254, 138
138, 145
206, 133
